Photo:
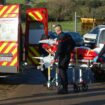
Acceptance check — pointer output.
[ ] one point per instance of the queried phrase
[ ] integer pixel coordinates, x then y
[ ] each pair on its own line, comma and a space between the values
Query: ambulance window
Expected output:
36, 30
36, 25
102, 37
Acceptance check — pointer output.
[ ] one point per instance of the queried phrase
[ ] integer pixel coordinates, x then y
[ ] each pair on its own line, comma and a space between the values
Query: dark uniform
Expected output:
65, 46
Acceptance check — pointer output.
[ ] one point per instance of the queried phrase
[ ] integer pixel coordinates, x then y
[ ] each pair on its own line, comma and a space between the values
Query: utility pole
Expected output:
75, 22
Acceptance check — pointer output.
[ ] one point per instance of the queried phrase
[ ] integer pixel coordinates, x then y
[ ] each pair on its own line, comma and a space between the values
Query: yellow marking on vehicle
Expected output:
14, 61
2, 46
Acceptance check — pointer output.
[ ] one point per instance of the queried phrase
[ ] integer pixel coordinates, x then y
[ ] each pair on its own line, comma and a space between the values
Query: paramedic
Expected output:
64, 48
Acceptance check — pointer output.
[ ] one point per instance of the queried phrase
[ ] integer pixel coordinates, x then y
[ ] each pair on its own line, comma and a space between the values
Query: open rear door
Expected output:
36, 26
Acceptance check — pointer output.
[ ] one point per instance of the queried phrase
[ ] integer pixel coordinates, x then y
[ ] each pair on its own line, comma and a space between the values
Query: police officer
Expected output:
65, 46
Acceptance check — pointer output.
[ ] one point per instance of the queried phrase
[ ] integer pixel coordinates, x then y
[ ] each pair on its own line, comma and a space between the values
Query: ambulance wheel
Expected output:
76, 88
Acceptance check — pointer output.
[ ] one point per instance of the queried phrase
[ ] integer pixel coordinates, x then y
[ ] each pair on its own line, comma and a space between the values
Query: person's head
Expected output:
58, 29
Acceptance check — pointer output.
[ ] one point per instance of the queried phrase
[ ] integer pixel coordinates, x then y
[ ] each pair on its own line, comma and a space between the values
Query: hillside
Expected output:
23, 1
15, 1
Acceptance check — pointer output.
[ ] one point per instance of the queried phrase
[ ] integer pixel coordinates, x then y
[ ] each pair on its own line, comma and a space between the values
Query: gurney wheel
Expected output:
76, 87
49, 85
52, 85
84, 87
50, 88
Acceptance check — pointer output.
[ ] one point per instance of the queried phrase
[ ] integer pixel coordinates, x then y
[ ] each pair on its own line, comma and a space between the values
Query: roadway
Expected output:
27, 89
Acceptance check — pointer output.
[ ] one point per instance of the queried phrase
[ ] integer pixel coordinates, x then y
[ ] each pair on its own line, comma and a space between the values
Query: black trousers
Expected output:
63, 66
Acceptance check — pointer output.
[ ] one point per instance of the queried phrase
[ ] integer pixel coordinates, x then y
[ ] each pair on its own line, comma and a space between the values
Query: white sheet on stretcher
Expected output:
99, 48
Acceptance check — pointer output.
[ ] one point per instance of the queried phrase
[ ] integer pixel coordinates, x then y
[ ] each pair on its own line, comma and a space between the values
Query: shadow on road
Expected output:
31, 76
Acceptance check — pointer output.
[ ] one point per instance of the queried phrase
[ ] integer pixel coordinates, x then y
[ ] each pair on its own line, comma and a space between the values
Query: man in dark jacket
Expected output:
65, 47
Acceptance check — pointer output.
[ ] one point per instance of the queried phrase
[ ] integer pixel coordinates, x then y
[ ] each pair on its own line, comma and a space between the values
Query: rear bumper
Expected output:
9, 69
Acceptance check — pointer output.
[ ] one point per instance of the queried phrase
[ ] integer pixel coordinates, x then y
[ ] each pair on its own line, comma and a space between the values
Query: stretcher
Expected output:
45, 62
81, 57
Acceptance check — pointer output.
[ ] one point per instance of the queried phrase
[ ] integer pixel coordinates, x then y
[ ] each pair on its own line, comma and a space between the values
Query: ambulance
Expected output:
14, 47
10, 39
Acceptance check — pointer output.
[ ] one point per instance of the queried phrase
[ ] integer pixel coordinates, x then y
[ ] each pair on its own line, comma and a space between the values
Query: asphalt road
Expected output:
27, 89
